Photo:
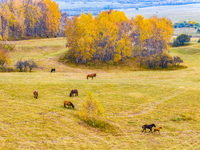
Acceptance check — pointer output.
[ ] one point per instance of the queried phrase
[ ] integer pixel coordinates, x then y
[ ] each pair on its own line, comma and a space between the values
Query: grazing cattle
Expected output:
148, 127
53, 70
69, 104
157, 129
73, 92
35, 94
91, 75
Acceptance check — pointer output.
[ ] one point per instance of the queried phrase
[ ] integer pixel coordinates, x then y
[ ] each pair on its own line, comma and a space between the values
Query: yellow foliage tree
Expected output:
192, 22
0, 25
4, 57
52, 17
91, 109
113, 37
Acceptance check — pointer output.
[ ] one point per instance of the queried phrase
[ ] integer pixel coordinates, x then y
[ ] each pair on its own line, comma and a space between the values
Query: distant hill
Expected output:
76, 7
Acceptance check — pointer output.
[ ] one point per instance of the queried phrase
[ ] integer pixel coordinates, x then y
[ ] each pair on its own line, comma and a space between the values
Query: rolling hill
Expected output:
130, 99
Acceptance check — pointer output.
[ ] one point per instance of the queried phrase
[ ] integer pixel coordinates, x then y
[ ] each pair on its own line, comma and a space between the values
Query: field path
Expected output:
153, 105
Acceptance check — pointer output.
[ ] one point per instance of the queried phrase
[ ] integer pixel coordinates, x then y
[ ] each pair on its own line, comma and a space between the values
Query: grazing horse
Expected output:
157, 129
53, 70
148, 127
35, 94
91, 75
68, 103
75, 91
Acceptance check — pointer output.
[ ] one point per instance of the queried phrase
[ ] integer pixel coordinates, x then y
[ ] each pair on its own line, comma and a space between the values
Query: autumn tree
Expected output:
0, 24
91, 109
20, 18
95, 39
4, 57
112, 37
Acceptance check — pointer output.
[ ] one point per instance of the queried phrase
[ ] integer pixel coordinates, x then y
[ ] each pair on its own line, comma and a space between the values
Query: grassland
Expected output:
170, 99
188, 31
175, 12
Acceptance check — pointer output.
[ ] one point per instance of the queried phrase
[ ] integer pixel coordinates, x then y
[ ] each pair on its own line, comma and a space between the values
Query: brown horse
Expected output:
68, 103
157, 129
148, 127
75, 91
91, 75
35, 94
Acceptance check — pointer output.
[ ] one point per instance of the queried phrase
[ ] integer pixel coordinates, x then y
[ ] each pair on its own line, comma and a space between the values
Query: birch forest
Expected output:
20, 18
111, 36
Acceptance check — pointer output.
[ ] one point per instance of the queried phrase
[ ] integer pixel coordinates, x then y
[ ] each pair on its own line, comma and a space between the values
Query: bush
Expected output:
181, 39
9, 47
177, 60
9, 69
4, 58
165, 59
198, 41
91, 110
156, 61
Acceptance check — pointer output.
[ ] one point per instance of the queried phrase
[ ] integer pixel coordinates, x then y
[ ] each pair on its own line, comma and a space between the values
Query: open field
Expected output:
175, 12
188, 31
170, 99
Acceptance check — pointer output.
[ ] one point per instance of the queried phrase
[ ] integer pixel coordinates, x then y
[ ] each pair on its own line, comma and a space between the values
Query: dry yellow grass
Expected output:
170, 99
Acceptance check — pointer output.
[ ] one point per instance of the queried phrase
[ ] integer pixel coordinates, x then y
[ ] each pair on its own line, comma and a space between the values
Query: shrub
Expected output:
91, 110
165, 59
9, 47
198, 41
177, 60
9, 69
181, 39
4, 58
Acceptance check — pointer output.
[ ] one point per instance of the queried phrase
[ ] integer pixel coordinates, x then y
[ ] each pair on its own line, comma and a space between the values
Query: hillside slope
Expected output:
170, 99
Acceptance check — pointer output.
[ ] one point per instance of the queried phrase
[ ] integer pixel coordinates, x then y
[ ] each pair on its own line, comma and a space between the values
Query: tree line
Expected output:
20, 18
189, 24
111, 36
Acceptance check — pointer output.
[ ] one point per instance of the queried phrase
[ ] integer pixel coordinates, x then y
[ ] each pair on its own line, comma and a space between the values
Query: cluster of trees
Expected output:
188, 24
23, 65
113, 37
20, 18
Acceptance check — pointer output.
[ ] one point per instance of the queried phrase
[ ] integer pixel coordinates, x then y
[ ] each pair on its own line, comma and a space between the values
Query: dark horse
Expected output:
35, 94
68, 103
148, 127
53, 70
91, 75
75, 91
